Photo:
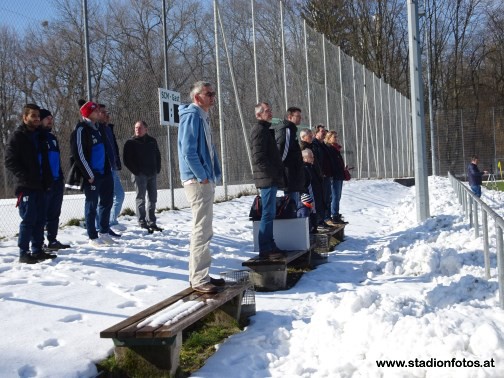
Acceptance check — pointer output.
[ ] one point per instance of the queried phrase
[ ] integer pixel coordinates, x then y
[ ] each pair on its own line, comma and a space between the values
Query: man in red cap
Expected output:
90, 171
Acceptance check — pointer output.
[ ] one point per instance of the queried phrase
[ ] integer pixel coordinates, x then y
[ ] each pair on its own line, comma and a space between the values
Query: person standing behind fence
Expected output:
475, 176
288, 145
321, 153
267, 169
90, 171
199, 172
27, 158
115, 163
142, 157
54, 196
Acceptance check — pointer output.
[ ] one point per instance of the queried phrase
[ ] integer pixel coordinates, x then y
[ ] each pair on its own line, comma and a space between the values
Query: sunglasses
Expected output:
209, 94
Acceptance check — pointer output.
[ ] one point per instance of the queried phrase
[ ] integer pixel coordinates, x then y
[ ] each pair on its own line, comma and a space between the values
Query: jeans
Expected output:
118, 198
200, 197
54, 200
476, 190
268, 212
31, 228
336, 188
99, 196
146, 184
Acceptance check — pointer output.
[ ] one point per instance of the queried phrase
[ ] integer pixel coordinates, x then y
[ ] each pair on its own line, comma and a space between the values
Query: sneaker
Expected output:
113, 234
56, 245
28, 258
217, 281
105, 238
206, 288
97, 243
118, 227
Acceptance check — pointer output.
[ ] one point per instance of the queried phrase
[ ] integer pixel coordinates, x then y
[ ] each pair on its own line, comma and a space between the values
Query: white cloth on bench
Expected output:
172, 314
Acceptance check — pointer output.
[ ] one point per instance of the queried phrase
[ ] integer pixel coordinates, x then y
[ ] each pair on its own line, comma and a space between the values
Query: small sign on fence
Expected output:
169, 102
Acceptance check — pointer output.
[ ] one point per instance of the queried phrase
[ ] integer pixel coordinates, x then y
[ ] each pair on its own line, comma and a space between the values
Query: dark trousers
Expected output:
99, 198
146, 185
31, 228
54, 200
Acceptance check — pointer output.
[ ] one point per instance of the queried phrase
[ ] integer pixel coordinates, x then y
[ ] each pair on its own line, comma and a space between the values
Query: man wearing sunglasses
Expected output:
199, 172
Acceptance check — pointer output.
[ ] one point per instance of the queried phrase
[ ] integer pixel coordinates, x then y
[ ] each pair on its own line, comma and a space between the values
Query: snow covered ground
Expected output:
394, 290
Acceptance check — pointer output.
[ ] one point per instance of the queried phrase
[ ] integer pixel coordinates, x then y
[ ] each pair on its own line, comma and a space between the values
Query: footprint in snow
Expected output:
127, 304
71, 318
49, 343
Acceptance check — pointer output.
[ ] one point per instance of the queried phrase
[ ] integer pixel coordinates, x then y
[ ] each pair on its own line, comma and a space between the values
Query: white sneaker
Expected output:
118, 227
97, 243
106, 239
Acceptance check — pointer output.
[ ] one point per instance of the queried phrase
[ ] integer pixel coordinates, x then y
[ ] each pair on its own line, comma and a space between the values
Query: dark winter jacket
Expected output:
87, 154
266, 161
26, 157
290, 152
112, 148
474, 175
141, 156
336, 162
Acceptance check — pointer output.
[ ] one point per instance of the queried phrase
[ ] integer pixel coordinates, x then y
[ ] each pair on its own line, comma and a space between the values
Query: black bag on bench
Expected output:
285, 208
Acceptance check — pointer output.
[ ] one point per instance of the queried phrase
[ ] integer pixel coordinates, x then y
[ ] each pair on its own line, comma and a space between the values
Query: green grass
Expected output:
74, 222
497, 185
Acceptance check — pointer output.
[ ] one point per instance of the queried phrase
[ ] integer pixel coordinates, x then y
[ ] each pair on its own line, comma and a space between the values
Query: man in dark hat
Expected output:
54, 196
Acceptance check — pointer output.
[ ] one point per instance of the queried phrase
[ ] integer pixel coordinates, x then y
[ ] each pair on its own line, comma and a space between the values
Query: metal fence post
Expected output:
500, 263
486, 244
475, 217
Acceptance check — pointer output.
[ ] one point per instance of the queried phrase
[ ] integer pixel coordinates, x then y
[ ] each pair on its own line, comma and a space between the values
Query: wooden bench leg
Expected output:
269, 277
161, 355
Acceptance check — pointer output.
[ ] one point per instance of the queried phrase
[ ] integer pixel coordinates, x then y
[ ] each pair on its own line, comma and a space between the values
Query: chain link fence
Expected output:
126, 41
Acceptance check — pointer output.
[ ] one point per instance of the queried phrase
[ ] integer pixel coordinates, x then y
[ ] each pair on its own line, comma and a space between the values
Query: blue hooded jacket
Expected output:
195, 161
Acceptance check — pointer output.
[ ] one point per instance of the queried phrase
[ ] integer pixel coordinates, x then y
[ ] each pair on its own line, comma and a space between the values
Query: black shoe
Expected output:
45, 256
56, 245
217, 281
155, 227
114, 234
206, 288
143, 225
28, 258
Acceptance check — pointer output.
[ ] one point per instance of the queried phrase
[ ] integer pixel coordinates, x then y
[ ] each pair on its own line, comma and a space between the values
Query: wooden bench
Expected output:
271, 275
159, 346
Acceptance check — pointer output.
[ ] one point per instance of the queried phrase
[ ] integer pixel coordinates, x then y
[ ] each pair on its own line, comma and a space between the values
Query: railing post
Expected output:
486, 244
500, 263
469, 207
475, 218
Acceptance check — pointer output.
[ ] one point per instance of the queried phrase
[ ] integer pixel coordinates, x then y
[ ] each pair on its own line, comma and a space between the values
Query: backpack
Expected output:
285, 208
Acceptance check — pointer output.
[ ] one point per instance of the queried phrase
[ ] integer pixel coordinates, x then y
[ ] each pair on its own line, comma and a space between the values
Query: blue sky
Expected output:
20, 14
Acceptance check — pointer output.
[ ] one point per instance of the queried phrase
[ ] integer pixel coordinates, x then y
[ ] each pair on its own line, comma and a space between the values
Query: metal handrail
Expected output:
473, 206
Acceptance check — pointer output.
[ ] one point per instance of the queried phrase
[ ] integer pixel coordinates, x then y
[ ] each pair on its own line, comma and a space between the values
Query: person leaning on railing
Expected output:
475, 176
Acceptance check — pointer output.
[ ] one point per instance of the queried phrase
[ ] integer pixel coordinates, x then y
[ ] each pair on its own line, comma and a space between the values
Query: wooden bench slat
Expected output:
291, 255
111, 332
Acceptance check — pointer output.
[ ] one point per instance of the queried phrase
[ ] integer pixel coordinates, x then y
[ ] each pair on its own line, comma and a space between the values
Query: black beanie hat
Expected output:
44, 113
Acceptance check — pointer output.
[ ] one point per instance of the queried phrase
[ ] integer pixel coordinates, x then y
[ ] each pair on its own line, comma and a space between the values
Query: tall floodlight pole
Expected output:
431, 110
86, 47
417, 114
255, 53
168, 133
219, 100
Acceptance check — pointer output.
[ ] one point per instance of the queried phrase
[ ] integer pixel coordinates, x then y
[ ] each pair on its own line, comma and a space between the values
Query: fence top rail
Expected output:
497, 218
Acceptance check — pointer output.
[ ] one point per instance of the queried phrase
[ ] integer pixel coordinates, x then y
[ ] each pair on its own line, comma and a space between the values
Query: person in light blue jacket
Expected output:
199, 172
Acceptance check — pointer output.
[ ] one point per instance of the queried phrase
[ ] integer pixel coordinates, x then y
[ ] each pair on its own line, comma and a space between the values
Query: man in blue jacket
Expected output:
475, 176
199, 172
54, 196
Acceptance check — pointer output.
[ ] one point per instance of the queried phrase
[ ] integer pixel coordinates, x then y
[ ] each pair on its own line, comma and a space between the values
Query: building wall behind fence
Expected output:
372, 119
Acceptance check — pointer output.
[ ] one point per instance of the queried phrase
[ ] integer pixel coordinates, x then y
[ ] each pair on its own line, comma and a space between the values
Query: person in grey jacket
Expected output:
142, 157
